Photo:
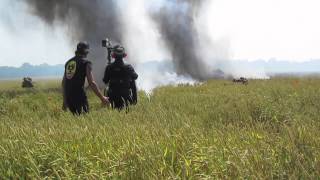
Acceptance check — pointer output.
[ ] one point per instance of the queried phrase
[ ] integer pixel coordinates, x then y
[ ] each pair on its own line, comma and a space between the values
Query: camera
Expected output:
106, 43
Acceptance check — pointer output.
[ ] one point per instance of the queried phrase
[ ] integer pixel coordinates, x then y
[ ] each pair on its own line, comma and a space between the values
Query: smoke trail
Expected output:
141, 36
95, 19
176, 23
90, 20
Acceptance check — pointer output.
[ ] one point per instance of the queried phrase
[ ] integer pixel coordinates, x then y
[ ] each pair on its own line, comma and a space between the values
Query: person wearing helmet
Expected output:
121, 80
77, 69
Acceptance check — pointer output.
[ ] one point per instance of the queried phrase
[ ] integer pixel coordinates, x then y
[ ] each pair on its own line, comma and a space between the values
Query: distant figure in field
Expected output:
120, 77
27, 82
77, 70
241, 80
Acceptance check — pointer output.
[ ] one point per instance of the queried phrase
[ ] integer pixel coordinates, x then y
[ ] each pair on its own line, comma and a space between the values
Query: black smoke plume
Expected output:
176, 22
85, 20
93, 20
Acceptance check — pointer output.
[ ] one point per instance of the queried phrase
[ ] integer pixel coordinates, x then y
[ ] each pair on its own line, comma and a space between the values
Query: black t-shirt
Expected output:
75, 75
119, 75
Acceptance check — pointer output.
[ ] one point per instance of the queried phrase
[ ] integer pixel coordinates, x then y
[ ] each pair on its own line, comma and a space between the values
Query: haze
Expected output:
251, 29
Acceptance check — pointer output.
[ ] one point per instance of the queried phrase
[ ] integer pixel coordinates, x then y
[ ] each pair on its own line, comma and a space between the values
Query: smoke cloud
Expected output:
176, 22
84, 20
91, 20
168, 29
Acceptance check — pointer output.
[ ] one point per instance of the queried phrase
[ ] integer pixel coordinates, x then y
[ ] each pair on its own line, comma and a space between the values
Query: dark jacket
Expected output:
121, 80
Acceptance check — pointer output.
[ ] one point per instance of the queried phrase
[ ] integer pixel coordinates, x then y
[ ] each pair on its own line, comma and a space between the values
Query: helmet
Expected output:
119, 51
83, 48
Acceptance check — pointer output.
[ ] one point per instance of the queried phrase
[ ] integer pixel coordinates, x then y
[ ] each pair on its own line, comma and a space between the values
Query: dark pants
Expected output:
120, 99
78, 104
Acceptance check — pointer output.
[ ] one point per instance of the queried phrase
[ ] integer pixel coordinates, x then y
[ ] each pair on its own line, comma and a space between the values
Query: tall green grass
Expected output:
268, 129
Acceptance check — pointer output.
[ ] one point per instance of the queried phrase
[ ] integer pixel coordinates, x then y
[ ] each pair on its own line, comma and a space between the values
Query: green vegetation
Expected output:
267, 129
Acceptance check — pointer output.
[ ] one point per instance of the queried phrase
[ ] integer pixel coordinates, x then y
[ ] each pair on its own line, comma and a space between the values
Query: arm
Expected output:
94, 86
134, 92
106, 77
64, 104
133, 73
133, 85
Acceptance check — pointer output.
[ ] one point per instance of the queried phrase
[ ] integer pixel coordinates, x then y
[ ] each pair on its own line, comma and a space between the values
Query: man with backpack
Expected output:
120, 77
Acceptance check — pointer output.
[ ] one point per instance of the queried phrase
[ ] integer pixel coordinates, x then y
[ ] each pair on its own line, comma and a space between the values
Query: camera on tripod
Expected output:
108, 44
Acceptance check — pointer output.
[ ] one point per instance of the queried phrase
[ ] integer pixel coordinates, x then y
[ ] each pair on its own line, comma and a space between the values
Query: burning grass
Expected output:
267, 129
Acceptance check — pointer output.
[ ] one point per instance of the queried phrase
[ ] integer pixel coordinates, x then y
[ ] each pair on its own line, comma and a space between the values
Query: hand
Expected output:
64, 107
105, 101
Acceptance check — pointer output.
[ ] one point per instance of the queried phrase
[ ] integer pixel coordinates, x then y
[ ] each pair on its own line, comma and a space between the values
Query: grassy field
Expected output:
269, 129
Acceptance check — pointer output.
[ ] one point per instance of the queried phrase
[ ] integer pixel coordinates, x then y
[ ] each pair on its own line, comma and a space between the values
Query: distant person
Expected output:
121, 78
27, 82
77, 70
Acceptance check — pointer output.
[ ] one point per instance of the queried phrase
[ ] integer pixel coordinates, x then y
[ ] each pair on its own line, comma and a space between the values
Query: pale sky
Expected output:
283, 29
254, 29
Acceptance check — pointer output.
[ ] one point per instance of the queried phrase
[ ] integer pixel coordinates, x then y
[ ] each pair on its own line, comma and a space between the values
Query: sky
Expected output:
283, 29
253, 29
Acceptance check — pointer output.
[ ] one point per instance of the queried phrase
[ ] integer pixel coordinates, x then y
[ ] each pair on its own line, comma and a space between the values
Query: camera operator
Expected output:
121, 78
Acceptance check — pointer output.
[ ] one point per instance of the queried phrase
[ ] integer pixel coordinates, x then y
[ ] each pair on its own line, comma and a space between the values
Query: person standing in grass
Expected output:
77, 69
121, 78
